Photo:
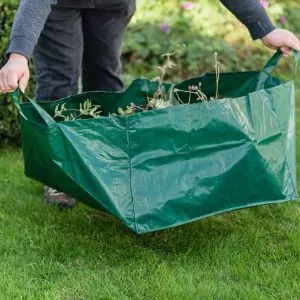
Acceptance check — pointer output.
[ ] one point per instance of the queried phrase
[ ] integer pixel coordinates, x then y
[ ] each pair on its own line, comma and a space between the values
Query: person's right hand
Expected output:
282, 39
14, 73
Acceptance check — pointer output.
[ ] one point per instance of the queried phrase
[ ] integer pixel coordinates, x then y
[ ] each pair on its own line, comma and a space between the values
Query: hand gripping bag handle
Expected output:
42, 113
273, 62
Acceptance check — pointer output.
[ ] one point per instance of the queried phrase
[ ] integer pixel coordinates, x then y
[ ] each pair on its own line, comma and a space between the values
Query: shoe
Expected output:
54, 197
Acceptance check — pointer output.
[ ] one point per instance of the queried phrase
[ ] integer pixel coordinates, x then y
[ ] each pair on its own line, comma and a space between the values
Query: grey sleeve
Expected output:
252, 14
29, 21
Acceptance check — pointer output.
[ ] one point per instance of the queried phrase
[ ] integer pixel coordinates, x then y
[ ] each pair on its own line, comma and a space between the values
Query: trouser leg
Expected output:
103, 30
58, 55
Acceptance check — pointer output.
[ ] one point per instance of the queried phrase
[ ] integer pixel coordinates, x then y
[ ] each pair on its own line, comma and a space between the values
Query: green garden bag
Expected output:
161, 168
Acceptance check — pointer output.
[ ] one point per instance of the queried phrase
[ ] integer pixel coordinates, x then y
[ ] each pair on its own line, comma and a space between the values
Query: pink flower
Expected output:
164, 27
188, 5
264, 3
282, 20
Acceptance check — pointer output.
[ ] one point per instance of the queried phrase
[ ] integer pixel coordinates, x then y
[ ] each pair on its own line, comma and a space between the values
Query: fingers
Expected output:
285, 51
14, 71
1, 84
282, 39
296, 41
292, 43
8, 81
11, 82
24, 81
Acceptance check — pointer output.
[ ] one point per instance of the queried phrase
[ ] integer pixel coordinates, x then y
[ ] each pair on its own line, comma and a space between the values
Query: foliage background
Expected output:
164, 25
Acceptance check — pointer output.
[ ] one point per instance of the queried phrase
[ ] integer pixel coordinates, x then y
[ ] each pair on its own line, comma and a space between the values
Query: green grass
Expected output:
46, 253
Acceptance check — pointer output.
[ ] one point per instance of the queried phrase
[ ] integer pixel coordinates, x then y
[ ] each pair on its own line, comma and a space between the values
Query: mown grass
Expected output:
46, 253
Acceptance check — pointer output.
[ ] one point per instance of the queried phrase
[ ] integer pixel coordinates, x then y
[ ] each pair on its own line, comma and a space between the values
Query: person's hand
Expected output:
14, 73
282, 39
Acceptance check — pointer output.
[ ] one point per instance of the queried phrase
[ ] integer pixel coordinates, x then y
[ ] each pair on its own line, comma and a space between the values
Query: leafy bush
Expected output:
193, 29
9, 123
9, 127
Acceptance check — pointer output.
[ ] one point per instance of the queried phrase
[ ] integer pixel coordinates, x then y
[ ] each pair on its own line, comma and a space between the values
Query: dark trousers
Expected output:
78, 42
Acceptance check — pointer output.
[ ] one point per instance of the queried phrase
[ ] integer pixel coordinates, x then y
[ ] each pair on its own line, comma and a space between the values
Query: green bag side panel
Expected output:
193, 162
90, 164
284, 105
270, 137
166, 167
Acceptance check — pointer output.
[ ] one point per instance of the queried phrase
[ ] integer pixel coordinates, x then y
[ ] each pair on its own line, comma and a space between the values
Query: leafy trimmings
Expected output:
86, 110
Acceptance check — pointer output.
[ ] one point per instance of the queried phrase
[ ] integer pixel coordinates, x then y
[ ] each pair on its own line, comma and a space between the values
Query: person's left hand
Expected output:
282, 39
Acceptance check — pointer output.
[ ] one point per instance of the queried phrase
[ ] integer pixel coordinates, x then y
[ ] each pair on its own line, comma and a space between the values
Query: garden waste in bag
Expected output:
161, 168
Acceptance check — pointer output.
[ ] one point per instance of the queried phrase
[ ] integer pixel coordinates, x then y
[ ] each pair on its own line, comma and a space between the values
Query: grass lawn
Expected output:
46, 253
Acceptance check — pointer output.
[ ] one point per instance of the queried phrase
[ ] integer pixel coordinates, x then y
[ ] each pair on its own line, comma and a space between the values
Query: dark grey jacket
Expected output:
32, 15
93, 3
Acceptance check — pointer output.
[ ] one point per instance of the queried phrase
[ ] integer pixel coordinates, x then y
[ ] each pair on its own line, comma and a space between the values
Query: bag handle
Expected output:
15, 99
273, 62
42, 113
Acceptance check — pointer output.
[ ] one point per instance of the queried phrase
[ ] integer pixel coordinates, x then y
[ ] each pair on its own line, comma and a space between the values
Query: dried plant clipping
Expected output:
193, 90
128, 111
86, 109
160, 99
217, 69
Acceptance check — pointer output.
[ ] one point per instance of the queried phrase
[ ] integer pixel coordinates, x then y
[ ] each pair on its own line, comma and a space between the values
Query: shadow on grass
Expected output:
248, 226
89, 236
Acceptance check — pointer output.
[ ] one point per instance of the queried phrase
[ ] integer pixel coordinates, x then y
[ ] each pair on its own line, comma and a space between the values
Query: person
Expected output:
67, 38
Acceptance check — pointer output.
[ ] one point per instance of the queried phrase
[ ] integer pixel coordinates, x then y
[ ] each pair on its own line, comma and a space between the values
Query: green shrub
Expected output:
9, 122
9, 125
162, 26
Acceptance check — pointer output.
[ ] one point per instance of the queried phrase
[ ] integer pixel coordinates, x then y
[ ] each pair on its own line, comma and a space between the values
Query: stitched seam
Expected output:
282, 144
249, 112
130, 173
22, 36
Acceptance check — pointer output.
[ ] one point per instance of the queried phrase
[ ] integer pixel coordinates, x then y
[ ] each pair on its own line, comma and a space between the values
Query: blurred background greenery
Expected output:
193, 29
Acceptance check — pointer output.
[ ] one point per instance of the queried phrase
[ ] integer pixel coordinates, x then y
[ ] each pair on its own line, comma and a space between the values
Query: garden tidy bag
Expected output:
164, 167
